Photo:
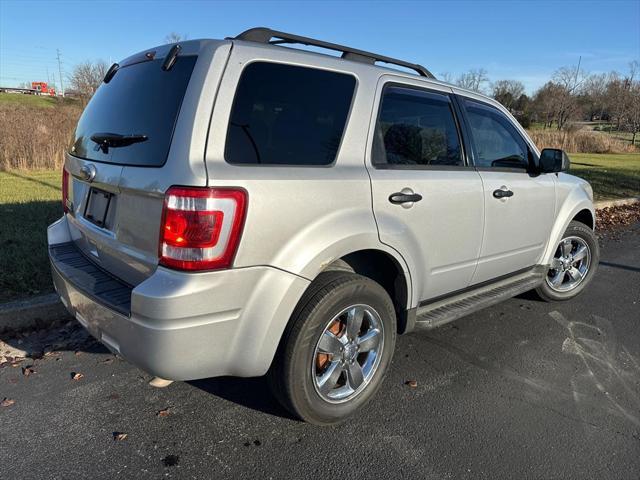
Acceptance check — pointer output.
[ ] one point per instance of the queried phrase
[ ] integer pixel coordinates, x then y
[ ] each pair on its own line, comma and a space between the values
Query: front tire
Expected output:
574, 264
336, 349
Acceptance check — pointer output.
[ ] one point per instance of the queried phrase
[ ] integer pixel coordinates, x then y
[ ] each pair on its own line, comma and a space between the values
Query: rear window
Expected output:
141, 99
288, 115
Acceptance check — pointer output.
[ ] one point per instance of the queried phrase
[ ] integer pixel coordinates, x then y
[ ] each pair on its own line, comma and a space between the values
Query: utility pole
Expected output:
60, 72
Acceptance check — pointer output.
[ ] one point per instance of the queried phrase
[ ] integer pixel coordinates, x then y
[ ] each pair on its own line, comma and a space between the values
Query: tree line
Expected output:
570, 95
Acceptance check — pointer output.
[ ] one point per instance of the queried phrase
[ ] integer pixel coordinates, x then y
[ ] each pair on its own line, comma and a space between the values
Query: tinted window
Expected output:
497, 143
288, 115
416, 128
141, 99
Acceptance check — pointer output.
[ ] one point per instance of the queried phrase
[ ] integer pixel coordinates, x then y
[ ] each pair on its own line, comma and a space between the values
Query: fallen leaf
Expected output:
164, 412
107, 360
26, 371
119, 436
7, 402
411, 383
76, 376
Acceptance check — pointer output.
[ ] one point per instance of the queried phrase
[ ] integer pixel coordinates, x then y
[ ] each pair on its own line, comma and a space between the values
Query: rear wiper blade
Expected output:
105, 140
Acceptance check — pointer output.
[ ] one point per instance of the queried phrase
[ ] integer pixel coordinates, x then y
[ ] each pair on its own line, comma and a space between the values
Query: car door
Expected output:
427, 200
519, 204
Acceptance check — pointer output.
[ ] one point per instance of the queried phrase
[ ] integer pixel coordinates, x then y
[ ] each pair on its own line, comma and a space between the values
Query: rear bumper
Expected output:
184, 326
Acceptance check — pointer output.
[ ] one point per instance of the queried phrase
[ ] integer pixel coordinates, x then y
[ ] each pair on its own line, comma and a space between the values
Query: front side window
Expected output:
497, 143
288, 115
416, 128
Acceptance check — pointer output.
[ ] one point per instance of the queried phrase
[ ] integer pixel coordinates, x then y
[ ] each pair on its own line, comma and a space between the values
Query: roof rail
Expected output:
264, 35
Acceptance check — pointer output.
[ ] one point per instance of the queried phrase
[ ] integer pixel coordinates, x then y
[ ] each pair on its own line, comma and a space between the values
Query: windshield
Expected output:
141, 101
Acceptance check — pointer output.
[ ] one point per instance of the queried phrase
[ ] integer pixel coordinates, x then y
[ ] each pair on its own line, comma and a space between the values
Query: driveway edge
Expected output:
35, 312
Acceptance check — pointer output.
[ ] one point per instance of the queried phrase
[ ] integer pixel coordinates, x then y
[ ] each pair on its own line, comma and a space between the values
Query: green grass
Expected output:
34, 100
29, 202
611, 175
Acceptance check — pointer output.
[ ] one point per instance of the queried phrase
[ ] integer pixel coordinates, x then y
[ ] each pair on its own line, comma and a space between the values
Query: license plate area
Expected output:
97, 207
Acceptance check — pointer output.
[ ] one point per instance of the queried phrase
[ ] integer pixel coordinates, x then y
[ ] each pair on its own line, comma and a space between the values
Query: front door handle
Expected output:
399, 198
502, 193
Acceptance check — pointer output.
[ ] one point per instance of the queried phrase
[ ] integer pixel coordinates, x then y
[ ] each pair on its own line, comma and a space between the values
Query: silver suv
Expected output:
240, 207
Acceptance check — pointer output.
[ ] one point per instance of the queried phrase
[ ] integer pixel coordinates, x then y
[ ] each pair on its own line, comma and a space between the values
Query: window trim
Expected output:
288, 165
514, 130
466, 165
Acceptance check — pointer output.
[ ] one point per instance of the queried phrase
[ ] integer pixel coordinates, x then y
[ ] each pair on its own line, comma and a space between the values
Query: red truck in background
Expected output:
42, 88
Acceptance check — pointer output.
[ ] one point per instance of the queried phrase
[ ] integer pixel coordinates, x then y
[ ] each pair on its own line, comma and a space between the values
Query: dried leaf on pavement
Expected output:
7, 402
26, 371
164, 412
611, 217
411, 383
119, 436
76, 375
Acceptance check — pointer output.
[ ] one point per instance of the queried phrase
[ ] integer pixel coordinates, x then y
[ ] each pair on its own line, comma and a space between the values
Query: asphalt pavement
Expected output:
524, 389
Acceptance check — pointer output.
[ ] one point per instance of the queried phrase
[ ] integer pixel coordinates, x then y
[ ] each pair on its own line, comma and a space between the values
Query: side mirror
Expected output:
553, 160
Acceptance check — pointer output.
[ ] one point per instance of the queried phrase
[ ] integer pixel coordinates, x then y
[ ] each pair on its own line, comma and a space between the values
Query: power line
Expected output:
60, 72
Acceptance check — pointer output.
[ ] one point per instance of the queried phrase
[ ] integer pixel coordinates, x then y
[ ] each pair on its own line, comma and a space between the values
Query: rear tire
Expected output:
567, 276
343, 331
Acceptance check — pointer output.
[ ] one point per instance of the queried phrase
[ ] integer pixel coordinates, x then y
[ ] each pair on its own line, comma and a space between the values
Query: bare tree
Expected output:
569, 81
446, 77
87, 77
633, 116
473, 79
508, 92
594, 95
174, 37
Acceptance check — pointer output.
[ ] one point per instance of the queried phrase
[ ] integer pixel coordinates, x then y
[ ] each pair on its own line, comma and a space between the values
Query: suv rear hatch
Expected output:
143, 131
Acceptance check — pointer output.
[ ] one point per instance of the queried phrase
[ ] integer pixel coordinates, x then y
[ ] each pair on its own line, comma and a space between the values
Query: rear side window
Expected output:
496, 141
140, 100
416, 128
288, 115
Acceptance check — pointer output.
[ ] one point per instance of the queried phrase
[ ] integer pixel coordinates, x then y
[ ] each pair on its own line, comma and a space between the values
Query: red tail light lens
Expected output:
201, 227
65, 190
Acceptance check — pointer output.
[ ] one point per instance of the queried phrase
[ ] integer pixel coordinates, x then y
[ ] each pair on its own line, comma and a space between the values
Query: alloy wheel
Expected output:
347, 353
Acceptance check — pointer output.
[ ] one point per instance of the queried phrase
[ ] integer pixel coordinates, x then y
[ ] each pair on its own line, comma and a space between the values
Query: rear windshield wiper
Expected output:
106, 140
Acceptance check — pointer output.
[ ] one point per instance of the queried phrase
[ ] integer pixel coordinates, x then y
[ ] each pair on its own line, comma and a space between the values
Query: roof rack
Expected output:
265, 35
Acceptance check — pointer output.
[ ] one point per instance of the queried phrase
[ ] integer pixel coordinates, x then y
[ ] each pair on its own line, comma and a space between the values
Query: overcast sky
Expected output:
523, 40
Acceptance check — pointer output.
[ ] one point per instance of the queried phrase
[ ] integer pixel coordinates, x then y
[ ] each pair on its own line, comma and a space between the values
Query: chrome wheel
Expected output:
570, 264
347, 353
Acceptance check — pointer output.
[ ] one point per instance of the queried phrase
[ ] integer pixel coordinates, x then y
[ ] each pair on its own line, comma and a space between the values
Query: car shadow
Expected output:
622, 267
253, 393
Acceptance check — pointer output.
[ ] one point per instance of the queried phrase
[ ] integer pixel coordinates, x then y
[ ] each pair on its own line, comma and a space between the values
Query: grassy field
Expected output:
35, 100
29, 201
611, 176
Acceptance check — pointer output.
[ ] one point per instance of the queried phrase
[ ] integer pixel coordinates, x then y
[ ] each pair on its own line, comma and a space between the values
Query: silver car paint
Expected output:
299, 220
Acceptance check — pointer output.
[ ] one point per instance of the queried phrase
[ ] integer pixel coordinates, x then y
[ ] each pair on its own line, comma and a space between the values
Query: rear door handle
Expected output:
502, 193
399, 198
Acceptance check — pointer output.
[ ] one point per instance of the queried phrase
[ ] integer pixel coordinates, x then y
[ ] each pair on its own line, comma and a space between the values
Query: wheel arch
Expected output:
581, 210
384, 268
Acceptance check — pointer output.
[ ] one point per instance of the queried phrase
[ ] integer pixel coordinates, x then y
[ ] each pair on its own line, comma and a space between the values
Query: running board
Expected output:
451, 308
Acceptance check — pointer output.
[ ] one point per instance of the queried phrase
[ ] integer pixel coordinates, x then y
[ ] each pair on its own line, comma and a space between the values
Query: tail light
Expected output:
65, 190
201, 227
